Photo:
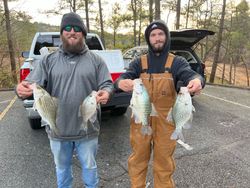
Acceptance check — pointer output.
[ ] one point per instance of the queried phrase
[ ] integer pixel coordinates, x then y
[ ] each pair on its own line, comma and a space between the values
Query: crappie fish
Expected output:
142, 107
89, 109
45, 105
181, 113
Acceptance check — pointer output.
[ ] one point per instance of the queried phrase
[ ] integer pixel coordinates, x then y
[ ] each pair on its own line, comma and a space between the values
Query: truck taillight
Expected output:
115, 75
24, 73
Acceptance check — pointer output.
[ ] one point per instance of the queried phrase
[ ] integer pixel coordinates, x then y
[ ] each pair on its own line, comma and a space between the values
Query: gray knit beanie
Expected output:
73, 19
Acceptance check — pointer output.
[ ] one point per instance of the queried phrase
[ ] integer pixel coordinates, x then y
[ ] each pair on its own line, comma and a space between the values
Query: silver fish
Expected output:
181, 113
45, 105
89, 109
142, 107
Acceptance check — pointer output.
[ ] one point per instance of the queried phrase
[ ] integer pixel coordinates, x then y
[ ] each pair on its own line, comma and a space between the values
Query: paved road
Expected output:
220, 137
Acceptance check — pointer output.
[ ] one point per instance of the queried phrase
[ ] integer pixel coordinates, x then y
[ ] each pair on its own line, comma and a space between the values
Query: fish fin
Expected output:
177, 134
136, 116
146, 130
187, 125
80, 111
193, 108
98, 106
55, 100
84, 126
153, 110
93, 118
170, 116
137, 119
34, 106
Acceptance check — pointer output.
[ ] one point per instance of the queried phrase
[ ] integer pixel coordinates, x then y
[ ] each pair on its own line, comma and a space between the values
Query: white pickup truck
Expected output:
51, 40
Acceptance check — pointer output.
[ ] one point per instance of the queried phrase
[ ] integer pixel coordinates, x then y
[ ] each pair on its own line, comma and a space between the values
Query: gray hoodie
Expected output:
71, 78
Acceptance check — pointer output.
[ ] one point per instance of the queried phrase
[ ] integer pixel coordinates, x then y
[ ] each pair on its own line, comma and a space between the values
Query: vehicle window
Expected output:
46, 41
129, 54
187, 55
93, 43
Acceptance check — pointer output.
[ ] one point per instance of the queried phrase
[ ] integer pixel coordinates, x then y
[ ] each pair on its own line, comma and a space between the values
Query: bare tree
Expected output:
115, 21
157, 9
151, 10
178, 14
247, 74
10, 41
219, 41
134, 10
187, 16
101, 21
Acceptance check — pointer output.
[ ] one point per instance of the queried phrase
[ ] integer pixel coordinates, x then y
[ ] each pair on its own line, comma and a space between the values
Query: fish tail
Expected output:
177, 134
146, 130
170, 115
137, 120
193, 109
54, 128
93, 117
153, 110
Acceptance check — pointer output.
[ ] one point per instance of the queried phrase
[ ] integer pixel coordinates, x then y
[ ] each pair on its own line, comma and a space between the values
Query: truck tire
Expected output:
118, 111
35, 123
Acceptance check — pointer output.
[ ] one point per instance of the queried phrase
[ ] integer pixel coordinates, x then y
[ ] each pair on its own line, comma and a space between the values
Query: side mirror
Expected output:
25, 54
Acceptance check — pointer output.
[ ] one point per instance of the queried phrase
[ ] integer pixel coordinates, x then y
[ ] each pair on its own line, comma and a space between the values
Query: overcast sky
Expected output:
35, 7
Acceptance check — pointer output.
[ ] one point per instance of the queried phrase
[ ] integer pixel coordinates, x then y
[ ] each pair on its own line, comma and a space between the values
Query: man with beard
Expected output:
160, 72
70, 74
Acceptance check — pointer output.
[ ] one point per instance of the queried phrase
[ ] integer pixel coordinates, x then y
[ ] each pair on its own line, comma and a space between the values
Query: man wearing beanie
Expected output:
70, 74
160, 71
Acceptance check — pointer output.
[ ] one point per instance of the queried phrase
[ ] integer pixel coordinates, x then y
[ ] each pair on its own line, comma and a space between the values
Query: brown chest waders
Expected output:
162, 94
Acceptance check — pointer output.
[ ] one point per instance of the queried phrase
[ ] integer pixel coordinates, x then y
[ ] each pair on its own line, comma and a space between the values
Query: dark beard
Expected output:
157, 50
74, 49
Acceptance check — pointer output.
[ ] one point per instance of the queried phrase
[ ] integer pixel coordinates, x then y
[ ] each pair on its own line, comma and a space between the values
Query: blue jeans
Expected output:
86, 150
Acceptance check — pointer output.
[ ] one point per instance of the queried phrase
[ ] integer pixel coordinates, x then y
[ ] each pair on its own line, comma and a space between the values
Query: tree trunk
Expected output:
219, 41
247, 74
151, 10
134, 9
157, 9
234, 80
223, 73
72, 5
230, 71
178, 14
101, 21
114, 38
187, 17
140, 26
87, 14
10, 41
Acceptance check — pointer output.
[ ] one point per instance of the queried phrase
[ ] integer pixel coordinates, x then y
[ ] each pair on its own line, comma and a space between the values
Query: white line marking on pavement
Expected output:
7, 108
235, 103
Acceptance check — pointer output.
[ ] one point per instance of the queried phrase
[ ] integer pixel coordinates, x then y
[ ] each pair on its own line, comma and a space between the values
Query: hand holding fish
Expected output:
24, 89
194, 86
102, 96
126, 85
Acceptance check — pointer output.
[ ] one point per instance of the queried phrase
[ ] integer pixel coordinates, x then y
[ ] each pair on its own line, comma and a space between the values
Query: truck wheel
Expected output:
118, 111
35, 123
